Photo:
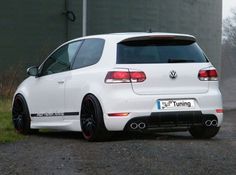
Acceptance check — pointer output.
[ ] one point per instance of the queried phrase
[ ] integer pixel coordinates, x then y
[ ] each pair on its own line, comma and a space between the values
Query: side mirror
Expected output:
33, 71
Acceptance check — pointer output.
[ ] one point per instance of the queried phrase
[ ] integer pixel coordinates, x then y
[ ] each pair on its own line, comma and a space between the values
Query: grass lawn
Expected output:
7, 132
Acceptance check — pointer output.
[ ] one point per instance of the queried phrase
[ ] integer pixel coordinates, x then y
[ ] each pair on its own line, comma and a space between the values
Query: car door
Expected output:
47, 92
77, 82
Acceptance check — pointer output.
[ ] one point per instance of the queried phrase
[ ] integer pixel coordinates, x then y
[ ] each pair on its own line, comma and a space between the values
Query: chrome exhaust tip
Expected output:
208, 123
211, 123
133, 125
142, 125
214, 122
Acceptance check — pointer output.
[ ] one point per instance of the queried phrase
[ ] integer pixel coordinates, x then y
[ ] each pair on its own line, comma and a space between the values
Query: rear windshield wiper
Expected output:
180, 61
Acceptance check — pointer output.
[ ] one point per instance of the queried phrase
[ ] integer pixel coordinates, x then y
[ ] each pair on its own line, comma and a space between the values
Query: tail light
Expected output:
208, 75
125, 77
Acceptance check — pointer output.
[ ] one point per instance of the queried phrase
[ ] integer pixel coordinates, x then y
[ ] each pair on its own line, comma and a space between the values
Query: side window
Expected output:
89, 53
60, 60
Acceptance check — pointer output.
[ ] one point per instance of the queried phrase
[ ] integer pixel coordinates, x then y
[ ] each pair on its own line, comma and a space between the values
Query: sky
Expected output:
227, 6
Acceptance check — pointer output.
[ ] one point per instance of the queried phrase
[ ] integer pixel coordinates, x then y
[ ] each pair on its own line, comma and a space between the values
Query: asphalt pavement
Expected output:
165, 153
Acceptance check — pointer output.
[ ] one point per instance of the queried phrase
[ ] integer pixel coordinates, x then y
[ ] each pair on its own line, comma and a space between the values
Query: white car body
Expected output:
54, 101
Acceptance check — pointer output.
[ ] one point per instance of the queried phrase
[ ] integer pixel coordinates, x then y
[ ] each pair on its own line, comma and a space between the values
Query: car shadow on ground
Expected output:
119, 136
60, 134
165, 136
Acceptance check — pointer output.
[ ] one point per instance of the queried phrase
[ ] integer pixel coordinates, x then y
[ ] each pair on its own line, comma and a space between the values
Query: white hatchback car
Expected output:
122, 82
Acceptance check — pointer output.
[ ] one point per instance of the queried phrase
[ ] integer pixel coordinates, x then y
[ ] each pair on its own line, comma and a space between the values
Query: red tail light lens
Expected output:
212, 73
125, 77
137, 77
117, 77
208, 75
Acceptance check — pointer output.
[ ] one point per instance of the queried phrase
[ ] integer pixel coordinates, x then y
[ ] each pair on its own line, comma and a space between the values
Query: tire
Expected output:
202, 132
92, 123
21, 117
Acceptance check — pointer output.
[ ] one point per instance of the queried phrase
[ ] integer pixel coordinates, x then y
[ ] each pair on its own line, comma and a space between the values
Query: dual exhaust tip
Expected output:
142, 125
209, 123
137, 125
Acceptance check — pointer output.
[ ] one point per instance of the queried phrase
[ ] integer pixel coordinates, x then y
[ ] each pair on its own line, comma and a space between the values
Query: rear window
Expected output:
154, 51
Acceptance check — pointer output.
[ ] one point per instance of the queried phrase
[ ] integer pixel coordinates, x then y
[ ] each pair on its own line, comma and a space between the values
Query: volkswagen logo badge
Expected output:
173, 74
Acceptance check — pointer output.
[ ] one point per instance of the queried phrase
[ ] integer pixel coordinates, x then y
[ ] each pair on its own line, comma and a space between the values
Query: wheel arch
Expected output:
24, 98
96, 96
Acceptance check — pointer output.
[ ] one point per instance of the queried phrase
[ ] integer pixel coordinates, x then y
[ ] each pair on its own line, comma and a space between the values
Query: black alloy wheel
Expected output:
92, 123
20, 116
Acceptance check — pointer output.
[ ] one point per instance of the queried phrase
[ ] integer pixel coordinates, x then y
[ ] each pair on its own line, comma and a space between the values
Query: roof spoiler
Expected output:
161, 38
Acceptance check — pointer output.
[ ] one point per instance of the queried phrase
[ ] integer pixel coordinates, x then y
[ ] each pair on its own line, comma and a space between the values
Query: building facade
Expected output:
29, 30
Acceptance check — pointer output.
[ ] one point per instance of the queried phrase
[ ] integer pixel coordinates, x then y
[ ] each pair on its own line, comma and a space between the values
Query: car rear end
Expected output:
162, 82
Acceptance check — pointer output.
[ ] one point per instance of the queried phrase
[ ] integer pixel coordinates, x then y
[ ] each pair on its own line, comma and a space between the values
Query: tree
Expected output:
229, 47
229, 30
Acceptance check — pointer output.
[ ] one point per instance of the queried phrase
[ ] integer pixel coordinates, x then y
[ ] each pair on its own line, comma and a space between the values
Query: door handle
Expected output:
61, 82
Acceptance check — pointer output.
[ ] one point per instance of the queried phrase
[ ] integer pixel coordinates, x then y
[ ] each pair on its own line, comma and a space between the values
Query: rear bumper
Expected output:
164, 120
145, 106
172, 120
